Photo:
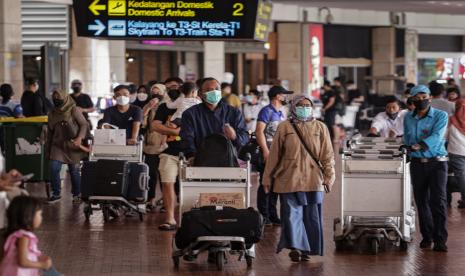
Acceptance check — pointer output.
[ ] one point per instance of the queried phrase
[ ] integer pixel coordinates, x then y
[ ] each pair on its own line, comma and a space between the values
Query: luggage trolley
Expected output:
130, 153
196, 180
376, 197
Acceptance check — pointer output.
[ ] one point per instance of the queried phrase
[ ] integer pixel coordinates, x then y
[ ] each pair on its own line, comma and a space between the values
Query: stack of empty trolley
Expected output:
376, 198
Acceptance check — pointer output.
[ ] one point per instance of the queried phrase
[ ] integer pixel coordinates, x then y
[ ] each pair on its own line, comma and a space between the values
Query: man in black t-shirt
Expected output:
32, 102
329, 99
83, 101
124, 115
169, 160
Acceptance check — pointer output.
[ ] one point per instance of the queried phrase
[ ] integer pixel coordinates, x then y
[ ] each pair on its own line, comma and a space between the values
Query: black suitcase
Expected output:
88, 178
138, 186
207, 221
112, 178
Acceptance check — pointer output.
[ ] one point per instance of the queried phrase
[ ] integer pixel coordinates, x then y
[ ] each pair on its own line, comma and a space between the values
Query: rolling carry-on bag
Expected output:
112, 178
226, 221
88, 178
138, 182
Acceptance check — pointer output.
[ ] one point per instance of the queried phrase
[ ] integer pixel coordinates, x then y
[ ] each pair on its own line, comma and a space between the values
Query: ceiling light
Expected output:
38, 58
266, 45
131, 59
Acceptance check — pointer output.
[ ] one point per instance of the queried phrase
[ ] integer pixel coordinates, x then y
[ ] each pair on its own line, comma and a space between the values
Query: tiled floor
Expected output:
129, 247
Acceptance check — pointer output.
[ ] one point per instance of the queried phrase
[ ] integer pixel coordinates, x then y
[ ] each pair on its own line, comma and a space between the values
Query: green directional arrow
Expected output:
95, 7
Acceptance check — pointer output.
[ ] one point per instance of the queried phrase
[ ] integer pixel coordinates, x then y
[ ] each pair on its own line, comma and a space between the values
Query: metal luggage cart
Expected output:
111, 204
376, 197
196, 180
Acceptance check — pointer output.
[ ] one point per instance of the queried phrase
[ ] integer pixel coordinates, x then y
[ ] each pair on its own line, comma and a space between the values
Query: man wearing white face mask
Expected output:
124, 115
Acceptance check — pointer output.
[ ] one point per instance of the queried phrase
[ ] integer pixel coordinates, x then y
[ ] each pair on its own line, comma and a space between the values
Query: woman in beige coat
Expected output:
301, 179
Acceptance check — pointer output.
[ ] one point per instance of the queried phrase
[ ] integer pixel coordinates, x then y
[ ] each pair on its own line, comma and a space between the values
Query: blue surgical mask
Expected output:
249, 98
213, 97
303, 112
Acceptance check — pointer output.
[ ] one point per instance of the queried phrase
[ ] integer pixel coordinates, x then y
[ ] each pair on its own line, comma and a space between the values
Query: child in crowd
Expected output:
21, 254
181, 104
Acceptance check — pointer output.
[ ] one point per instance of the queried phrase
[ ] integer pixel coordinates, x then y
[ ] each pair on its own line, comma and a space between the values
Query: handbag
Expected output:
307, 149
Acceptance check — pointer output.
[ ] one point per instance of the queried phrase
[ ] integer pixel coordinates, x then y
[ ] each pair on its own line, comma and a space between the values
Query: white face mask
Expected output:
142, 97
122, 100
132, 98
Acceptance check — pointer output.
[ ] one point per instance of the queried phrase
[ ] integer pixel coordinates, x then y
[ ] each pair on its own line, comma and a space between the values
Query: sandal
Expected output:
305, 257
295, 255
167, 227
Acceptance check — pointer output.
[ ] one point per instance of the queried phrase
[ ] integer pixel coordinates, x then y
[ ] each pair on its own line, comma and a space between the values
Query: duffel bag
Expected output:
228, 221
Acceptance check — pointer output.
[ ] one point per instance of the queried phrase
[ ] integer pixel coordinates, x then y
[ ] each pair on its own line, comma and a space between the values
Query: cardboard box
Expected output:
236, 200
110, 137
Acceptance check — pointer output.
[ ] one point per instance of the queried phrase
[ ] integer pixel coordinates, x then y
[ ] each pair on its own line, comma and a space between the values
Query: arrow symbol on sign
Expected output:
99, 27
95, 8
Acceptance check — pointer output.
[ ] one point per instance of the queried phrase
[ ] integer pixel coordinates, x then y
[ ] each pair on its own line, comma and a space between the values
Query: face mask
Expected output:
142, 97
303, 112
421, 104
249, 99
132, 98
76, 89
58, 103
122, 100
213, 97
392, 116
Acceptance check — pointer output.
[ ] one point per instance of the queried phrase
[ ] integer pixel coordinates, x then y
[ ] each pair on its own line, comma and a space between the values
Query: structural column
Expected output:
293, 56
384, 54
213, 61
89, 61
117, 61
11, 59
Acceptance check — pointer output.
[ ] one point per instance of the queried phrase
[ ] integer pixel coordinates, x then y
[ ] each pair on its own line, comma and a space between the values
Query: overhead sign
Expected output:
174, 19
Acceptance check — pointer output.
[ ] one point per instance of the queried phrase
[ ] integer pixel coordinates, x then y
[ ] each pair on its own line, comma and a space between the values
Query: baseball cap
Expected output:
419, 89
276, 90
76, 82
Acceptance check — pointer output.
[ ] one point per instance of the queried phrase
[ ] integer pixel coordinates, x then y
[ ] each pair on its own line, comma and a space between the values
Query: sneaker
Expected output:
77, 200
54, 199
267, 222
440, 247
426, 244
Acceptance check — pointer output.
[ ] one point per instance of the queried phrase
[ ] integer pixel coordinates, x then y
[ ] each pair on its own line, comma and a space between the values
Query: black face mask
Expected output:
76, 89
421, 104
58, 103
392, 116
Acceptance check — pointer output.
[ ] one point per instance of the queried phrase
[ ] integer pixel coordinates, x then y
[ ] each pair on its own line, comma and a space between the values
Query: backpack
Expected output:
154, 142
252, 148
216, 151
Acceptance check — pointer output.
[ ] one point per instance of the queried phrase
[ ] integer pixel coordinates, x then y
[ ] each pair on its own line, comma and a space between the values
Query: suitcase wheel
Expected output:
87, 211
374, 246
176, 262
249, 261
220, 260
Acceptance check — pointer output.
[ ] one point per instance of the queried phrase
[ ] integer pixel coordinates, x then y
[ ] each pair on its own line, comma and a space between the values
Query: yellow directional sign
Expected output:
117, 7
95, 7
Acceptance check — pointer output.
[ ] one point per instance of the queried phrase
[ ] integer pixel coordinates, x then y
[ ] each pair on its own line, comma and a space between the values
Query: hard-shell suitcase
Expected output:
138, 180
227, 221
88, 178
112, 178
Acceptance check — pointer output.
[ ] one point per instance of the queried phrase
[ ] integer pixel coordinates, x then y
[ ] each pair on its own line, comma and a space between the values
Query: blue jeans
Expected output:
74, 171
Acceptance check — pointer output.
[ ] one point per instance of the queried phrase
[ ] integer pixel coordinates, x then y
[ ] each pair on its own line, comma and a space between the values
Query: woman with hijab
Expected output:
456, 146
154, 142
142, 97
300, 168
67, 128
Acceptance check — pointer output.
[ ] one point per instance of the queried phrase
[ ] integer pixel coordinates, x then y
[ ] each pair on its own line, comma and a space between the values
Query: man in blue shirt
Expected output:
212, 116
424, 132
267, 123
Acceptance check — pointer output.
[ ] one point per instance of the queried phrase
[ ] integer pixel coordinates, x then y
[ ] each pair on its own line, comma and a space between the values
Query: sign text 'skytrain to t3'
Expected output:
170, 19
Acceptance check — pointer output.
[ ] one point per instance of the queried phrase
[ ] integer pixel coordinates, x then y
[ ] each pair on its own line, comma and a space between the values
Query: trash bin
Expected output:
24, 146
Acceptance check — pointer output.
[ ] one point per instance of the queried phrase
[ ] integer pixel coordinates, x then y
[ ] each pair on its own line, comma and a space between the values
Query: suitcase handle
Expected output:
143, 178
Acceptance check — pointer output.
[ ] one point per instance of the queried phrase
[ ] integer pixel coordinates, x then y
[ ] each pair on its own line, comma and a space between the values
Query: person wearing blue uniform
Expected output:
424, 133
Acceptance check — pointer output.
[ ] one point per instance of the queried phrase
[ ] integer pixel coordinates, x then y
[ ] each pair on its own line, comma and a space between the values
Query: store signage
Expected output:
174, 19
316, 59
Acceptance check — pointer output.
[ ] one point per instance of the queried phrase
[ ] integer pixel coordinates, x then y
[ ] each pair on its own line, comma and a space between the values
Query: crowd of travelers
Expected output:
295, 162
